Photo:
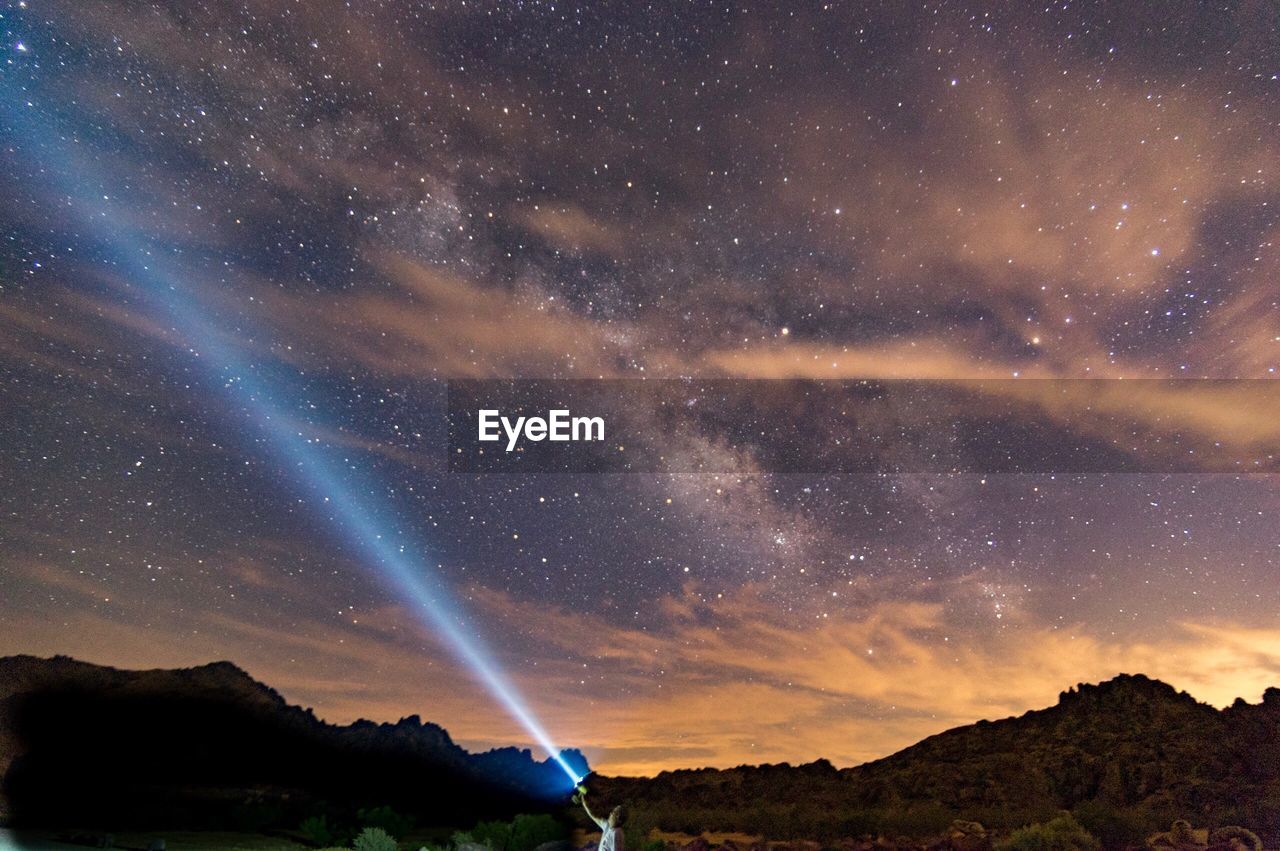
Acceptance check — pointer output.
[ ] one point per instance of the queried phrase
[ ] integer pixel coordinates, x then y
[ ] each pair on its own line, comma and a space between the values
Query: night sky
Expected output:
230, 228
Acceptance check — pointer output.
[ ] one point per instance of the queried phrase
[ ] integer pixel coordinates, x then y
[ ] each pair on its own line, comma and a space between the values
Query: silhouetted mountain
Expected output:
212, 746
1127, 756
86, 744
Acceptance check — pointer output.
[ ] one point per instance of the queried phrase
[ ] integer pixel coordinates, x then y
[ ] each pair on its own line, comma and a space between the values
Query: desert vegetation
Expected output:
383, 829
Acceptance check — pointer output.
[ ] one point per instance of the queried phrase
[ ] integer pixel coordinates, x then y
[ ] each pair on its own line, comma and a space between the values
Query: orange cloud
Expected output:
739, 684
568, 227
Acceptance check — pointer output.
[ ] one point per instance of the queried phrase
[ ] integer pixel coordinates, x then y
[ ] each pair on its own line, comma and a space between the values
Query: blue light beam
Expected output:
370, 523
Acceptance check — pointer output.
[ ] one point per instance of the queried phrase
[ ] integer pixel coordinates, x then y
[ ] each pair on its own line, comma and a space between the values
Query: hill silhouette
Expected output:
1127, 756
82, 744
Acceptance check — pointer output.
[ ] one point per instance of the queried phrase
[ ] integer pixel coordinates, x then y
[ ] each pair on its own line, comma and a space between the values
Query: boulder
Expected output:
1235, 838
968, 836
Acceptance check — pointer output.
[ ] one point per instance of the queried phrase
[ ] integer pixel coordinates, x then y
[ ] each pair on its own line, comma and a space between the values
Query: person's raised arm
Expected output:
582, 799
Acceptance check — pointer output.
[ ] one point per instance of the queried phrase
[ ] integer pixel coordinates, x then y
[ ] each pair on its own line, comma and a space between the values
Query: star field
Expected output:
365, 200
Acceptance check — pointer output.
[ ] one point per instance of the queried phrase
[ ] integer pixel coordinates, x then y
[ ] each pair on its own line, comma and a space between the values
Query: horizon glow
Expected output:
370, 525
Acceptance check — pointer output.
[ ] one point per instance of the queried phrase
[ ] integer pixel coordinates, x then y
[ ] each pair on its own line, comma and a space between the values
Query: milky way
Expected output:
363, 202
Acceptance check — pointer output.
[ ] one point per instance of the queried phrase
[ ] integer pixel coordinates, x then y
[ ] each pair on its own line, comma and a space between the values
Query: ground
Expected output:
174, 841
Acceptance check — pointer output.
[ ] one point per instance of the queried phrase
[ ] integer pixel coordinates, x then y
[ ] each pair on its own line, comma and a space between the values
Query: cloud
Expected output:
744, 684
568, 227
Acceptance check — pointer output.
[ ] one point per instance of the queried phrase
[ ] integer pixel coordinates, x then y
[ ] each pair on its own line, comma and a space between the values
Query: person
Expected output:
611, 838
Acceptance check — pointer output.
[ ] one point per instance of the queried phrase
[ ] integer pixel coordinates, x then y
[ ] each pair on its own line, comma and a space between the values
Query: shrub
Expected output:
527, 832
494, 834
639, 825
856, 823
316, 829
1115, 827
928, 819
375, 839
1063, 833
523, 833
386, 818
254, 816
